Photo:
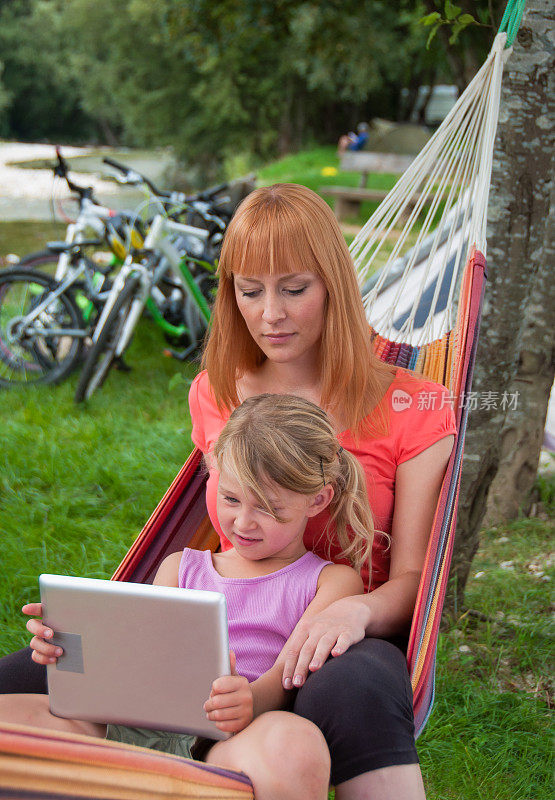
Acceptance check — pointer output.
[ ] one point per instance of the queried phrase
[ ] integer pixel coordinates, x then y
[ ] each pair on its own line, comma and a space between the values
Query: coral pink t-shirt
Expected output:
418, 414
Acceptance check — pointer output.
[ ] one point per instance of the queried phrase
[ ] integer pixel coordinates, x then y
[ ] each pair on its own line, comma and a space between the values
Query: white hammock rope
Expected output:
451, 176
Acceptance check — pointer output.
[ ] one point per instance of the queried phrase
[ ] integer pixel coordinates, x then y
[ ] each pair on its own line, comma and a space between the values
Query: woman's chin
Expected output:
289, 354
280, 354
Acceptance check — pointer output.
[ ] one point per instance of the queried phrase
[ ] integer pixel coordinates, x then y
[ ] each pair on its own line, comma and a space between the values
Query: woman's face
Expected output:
284, 314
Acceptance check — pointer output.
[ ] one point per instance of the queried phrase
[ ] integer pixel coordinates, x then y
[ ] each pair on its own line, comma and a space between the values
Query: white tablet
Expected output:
135, 654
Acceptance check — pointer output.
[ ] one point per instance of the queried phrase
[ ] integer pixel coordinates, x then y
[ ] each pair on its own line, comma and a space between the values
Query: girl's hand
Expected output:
333, 630
230, 704
43, 652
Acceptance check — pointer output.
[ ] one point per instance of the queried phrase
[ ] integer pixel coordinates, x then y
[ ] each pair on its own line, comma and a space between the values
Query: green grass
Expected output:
78, 483
22, 238
489, 734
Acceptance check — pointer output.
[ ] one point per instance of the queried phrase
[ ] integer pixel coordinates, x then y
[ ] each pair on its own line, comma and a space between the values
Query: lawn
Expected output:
78, 483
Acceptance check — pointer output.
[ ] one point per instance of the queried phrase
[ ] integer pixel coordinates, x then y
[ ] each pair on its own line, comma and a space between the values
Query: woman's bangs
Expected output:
272, 247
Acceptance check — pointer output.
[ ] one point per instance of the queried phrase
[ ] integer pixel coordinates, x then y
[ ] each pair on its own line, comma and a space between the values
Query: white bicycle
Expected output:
136, 282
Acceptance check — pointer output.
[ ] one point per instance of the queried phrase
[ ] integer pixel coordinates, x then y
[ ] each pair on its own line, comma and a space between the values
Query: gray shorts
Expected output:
179, 744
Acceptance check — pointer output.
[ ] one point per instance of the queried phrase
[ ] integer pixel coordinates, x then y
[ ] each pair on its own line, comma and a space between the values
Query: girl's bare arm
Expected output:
168, 571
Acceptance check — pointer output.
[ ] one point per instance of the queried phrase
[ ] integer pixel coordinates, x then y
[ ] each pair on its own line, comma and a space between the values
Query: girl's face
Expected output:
284, 313
253, 531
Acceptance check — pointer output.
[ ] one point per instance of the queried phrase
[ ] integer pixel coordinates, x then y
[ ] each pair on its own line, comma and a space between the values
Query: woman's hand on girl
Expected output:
230, 705
333, 630
43, 652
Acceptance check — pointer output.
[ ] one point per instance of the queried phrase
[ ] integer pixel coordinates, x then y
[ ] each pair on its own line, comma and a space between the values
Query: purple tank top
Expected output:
261, 612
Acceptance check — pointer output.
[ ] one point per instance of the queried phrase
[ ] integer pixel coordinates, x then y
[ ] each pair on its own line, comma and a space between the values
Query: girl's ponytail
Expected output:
350, 509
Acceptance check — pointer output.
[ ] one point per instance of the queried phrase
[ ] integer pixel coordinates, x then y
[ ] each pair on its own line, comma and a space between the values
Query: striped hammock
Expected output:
442, 240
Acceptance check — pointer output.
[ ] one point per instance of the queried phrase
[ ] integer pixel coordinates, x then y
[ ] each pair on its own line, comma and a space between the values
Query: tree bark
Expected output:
516, 346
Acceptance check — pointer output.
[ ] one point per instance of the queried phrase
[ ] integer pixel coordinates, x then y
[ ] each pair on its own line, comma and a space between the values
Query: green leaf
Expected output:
467, 19
430, 19
432, 33
456, 29
451, 10
459, 26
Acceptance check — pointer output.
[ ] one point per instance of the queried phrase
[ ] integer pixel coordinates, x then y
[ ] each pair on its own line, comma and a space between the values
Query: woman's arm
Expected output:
336, 581
388, 610
417, 486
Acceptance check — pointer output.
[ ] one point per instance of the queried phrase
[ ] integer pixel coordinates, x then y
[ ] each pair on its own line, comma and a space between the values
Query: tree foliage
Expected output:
212, 79
39, 94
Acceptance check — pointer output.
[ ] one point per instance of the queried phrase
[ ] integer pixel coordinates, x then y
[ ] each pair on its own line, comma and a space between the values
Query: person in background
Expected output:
354, 141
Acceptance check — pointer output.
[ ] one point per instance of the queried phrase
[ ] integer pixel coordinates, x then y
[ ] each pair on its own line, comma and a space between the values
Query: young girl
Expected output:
279, 464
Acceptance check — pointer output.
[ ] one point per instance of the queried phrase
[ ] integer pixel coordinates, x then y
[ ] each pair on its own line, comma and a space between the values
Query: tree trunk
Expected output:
426, 102
110, 138
515, 352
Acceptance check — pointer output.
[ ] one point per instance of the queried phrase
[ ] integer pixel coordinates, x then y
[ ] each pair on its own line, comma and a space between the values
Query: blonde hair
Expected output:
288, 228
292, 442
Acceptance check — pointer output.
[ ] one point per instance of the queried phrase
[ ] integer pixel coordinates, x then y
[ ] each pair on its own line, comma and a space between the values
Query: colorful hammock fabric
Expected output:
50, 765
181, 520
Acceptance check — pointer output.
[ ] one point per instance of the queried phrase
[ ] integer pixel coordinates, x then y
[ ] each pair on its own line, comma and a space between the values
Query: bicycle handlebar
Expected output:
112, 163
210, 193
128, 171
61, 170
206, 195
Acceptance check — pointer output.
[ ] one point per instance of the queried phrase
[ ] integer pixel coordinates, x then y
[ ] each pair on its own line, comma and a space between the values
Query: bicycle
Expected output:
73, 256
45, 320
41, 328
45, 317
132, 288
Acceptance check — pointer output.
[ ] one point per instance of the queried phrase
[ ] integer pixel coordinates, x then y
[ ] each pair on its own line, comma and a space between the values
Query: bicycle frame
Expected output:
50, 298
157, 241
91, 217
151, 304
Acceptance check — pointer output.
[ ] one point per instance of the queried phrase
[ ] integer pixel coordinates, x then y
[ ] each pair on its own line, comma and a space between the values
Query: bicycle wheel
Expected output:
46, 259
101, 355
36, 349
